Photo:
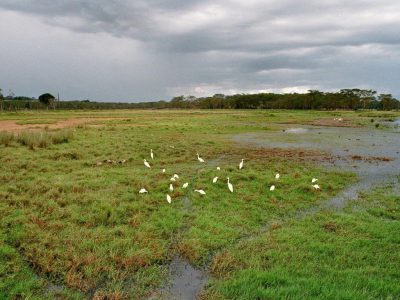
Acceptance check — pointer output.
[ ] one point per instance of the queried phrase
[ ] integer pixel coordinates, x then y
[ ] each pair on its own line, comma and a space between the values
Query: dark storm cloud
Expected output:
202, 47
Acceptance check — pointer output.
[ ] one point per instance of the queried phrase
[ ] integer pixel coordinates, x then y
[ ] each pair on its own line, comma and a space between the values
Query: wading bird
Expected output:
272, 188
146, 163
169, 199
277, 176
142, 191
151, 154
171, 187
199, 158
230, 186
241, 164
201, 192
218, 168
316, 186
314, 180
215, 179
173, 179
163, 170
176, 176
185, 185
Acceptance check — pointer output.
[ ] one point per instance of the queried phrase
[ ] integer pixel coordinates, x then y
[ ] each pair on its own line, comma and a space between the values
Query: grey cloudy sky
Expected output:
151, 49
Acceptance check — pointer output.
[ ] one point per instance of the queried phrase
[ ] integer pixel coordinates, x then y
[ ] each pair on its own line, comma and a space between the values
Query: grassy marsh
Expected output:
74, 226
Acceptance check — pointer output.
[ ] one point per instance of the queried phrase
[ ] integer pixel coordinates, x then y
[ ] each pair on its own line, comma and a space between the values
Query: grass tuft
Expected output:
6, 138
43, 139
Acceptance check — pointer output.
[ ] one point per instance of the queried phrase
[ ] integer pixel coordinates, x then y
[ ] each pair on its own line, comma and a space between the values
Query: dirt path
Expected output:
13, 126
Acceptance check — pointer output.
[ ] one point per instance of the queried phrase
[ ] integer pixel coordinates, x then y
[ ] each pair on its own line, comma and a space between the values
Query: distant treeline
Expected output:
352, 99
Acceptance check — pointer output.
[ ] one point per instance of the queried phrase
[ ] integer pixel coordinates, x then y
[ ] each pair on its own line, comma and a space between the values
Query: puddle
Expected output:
394, 124
186, 281
296, 130
374, 155
187, 204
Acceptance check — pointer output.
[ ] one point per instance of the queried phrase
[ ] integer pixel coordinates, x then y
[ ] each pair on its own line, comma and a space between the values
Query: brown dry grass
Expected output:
12, 126
297, 154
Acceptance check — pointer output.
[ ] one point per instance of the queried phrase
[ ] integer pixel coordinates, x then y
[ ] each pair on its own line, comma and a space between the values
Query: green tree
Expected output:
387, 102
47, 99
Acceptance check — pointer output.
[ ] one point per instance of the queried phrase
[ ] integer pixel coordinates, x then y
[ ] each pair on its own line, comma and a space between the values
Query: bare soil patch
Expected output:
12, 126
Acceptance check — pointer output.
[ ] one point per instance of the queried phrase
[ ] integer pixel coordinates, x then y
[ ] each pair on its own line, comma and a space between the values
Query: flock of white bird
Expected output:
215, 179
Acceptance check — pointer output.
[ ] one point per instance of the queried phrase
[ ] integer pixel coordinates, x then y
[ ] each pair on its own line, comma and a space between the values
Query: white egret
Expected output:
272, 188
199, 158
218, 168
146, 163
277, 176
314, 180
163, 170
173, 179
176, 176
215, 179
230, 186
316, 186
241, 164
169, 199
201, 192
151, 154
142, 191
171, 187
185, 185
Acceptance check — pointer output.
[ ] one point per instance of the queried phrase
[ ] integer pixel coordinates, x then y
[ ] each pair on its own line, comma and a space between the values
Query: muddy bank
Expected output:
333, 122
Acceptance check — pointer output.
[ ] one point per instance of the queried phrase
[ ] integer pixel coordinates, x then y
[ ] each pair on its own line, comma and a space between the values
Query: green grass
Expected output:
70, 222
6, 138
353, 254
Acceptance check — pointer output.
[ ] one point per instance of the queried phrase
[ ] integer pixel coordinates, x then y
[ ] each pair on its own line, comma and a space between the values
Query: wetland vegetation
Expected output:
74, 226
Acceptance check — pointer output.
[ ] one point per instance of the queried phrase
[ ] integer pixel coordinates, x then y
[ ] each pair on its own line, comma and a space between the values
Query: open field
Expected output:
73, 225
